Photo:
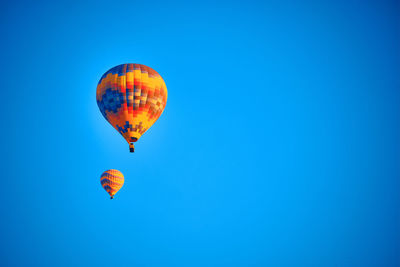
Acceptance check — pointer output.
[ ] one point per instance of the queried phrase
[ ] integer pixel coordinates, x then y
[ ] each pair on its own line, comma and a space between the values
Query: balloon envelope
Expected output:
131, 97
112, 181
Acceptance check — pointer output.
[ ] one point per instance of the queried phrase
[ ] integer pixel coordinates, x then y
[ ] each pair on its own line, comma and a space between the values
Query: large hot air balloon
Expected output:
112, 181
131, 97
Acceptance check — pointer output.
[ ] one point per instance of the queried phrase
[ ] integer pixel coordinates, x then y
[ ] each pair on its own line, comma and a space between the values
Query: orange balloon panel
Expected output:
131, 97
112, 181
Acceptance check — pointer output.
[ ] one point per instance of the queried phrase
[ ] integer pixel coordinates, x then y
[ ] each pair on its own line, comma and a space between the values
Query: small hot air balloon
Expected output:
131, 97
112, 181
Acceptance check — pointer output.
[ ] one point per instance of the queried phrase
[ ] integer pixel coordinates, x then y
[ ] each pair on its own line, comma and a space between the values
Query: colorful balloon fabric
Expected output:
112, 181
131, 97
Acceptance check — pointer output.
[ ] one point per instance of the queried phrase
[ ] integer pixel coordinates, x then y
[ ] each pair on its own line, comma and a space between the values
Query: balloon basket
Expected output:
131, 147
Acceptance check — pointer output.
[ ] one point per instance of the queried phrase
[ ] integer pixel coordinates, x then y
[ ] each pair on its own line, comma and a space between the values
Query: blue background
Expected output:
279, 144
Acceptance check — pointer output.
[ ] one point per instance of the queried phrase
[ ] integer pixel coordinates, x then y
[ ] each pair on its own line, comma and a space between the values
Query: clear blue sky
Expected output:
279, 144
